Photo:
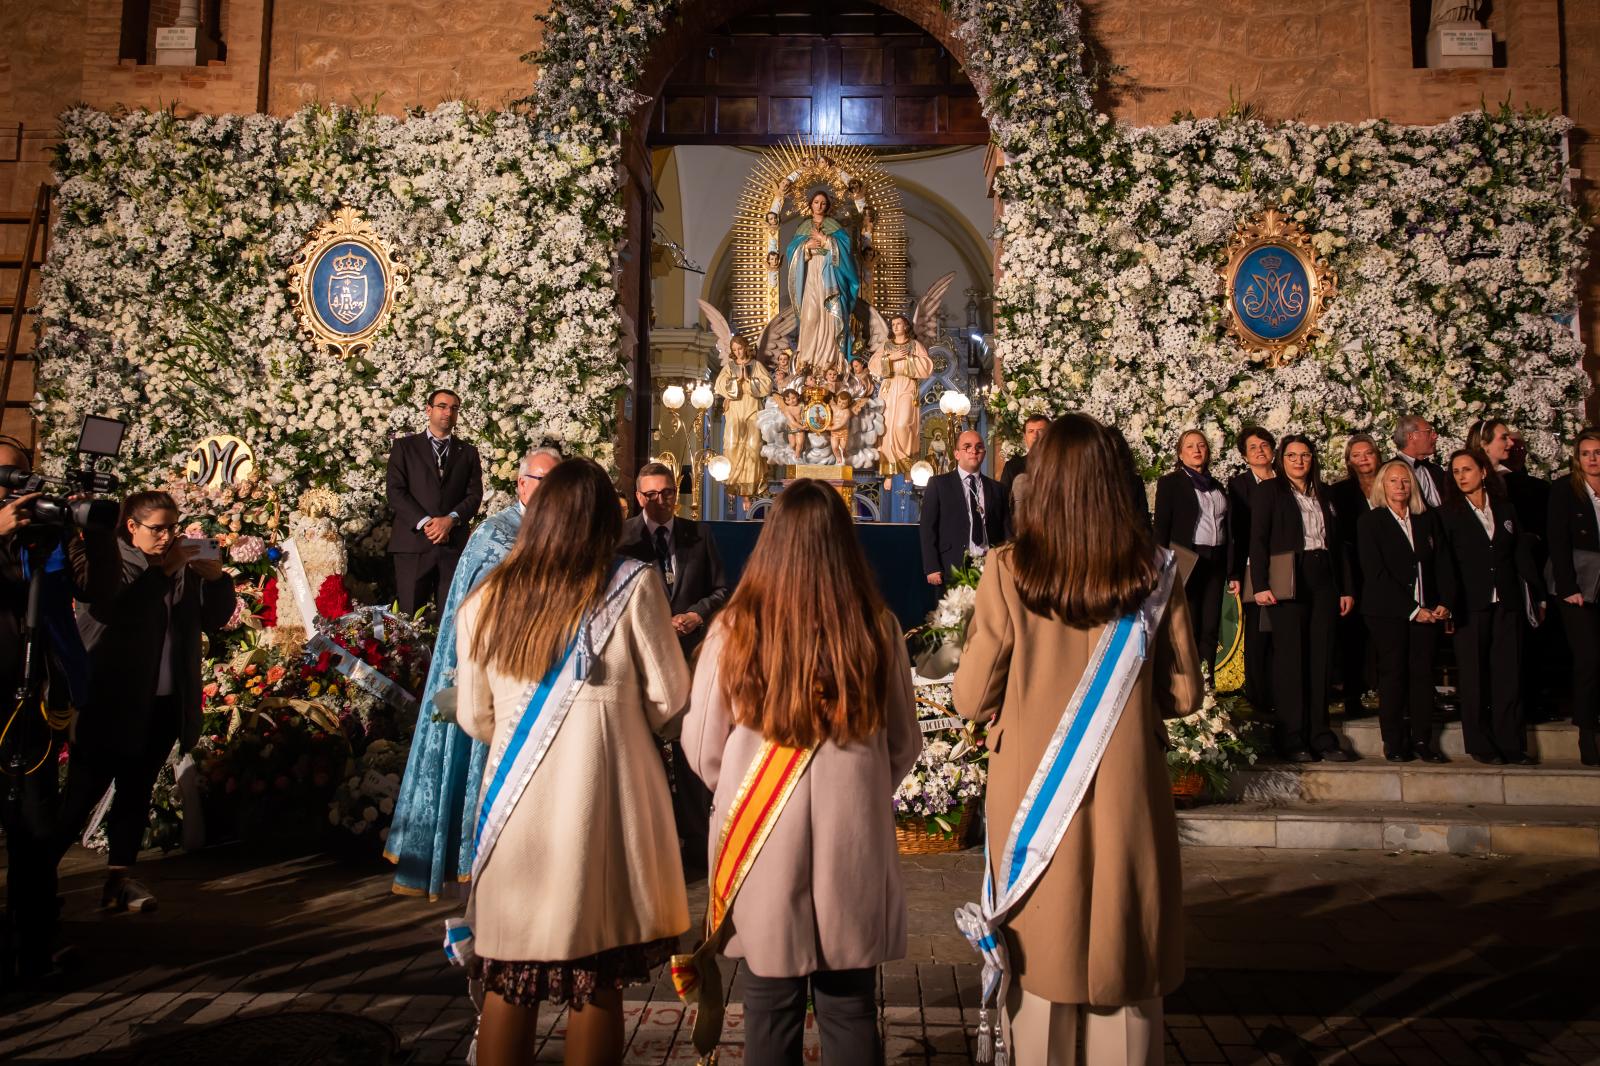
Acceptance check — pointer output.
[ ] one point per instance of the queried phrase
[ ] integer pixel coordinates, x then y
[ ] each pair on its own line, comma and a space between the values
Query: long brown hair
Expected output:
1579, 483
1083, 554
532, 602
804, 656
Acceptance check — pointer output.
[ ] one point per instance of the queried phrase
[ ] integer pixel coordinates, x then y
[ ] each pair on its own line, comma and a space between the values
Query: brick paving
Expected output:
1294, 958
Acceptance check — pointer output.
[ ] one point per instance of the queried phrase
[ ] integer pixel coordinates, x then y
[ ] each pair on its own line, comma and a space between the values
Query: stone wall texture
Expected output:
1315, 60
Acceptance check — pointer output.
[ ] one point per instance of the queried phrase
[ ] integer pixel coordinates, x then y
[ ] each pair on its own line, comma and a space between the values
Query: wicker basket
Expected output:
1188, 788
913, 838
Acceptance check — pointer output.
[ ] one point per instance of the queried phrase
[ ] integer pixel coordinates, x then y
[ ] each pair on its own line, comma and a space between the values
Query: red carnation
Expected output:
333, 599
269, 603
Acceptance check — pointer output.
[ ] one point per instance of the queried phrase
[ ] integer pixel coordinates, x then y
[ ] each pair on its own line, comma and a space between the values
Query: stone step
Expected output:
1548, 740
1556, 782
1456, 828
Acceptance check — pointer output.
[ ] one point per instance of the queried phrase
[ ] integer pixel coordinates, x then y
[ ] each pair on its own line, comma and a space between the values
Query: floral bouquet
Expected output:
275, 771
363, 804
1209, 744
934, 801
944, 634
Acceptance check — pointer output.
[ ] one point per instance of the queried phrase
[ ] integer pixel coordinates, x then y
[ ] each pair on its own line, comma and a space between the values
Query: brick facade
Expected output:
1333, 60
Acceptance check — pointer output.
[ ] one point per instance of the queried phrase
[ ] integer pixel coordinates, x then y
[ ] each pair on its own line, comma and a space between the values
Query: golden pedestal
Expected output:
842, 478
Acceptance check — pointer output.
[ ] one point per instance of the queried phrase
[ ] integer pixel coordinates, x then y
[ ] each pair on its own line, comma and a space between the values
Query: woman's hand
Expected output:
1233, 588
177, 557
208, 569
1265, 598
1346, 605
1576, 599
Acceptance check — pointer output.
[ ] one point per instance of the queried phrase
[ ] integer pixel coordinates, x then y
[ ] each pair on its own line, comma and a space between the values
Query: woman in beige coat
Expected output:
822, 903
1099, 939
583, 893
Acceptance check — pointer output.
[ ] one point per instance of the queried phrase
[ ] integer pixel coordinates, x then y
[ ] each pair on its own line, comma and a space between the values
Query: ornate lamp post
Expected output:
701, 398
955, 406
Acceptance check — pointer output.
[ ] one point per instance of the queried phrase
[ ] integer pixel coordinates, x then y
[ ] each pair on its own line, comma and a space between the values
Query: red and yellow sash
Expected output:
766, 788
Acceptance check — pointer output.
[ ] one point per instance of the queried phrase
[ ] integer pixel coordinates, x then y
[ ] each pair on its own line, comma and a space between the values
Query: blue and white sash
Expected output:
1058, 786
510, 768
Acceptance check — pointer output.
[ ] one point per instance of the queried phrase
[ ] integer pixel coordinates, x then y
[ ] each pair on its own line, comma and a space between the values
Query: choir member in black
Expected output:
1292, 519
1192, 514
1258, 448
1352, 499
1545, 663
1489, 583
1573, 527
1397, 542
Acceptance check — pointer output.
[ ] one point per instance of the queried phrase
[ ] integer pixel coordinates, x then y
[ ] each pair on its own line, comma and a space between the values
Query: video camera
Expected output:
75, 505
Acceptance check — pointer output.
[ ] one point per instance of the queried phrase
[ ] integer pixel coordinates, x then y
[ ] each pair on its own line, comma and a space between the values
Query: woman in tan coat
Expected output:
822, 904
583, 891
1099, 939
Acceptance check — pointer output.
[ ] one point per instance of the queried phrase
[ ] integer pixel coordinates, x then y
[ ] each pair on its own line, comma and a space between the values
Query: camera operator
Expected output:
144, 650
70, 562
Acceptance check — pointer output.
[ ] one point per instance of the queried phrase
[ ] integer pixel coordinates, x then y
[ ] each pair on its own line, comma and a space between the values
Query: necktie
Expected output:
664, 554
976, 516
441, 452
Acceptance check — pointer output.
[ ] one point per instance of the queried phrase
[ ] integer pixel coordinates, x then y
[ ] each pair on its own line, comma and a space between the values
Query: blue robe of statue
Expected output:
430, 841
840, 284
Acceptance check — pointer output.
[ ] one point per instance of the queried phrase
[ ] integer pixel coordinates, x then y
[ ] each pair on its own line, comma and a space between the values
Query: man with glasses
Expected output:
430, 841
684, 554
963, 512
435, 486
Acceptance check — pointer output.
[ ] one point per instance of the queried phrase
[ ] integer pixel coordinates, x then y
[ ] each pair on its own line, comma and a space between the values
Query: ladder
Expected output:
15, 305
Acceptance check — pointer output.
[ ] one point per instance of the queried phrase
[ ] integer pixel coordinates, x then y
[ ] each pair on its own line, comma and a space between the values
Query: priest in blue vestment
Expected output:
430, 841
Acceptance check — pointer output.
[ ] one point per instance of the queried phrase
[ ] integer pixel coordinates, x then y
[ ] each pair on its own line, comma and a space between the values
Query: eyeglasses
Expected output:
168, 529
659, 494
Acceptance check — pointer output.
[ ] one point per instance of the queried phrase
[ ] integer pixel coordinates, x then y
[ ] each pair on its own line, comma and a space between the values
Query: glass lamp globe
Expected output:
672, 396
960, 405
921, 472
702, 396
719, 467
949, 400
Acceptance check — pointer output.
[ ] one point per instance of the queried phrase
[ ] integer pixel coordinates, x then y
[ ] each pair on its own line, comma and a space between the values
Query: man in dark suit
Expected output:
1032, 430
1418, 442
963, 512
435, 486
684, 554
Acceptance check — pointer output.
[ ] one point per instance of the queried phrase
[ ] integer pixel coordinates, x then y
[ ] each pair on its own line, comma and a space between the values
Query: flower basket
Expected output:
913, 837
1188, 785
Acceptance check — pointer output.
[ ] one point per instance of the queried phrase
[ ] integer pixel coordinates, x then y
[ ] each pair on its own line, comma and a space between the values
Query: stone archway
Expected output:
695, 19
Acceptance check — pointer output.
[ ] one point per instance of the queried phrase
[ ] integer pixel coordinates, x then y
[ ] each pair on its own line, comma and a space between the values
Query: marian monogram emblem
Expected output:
220, 459
1276, 287
344, 283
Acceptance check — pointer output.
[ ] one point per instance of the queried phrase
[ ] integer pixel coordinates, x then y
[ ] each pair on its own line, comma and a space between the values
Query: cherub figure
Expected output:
842, 408
786, 376
789, 404
833, 379
860, 384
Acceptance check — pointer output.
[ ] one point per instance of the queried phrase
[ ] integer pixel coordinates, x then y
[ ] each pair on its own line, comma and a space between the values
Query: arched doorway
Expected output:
738, 73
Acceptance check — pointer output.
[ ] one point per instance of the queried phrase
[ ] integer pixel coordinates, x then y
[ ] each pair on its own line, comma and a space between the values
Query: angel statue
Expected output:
900, 360
824, 281
742, 383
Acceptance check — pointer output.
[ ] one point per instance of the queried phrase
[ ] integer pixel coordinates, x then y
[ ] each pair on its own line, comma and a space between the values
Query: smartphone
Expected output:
205, 547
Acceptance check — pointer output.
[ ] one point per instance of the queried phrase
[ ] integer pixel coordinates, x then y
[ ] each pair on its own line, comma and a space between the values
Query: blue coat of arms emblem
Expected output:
345, 282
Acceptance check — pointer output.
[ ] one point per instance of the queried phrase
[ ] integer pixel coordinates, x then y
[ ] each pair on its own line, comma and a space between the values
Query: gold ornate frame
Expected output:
346, 225
1273, 228
866, 202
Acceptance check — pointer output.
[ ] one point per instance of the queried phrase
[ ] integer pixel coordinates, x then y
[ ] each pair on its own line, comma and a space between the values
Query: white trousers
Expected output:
1072, 1034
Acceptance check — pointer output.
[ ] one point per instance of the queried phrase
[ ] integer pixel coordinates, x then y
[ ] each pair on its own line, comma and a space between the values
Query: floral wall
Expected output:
167, 296
167, 300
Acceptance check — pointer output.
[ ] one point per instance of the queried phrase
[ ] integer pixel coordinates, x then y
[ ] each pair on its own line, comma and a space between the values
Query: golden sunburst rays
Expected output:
779, 188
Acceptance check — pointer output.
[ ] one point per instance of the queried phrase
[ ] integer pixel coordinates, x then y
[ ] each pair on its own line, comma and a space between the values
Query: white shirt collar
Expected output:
652, 525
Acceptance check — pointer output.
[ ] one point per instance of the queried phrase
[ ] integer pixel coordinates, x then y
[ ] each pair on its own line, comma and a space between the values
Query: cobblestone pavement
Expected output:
1298, 958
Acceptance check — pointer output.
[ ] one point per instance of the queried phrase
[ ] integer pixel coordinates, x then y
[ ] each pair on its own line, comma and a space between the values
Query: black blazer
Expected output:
1241, 487
1432, 471
1389, 563
1473, 567
699, 584
125, 632
1178, 510
1275, 528
1531, 497
1570, 527
1014, 467
946, 522
417, 491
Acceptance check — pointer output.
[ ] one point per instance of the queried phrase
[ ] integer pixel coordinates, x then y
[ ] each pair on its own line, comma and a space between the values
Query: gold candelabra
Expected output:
700, 398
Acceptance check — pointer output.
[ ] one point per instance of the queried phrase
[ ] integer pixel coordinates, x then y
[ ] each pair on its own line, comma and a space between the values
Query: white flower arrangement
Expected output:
951, 771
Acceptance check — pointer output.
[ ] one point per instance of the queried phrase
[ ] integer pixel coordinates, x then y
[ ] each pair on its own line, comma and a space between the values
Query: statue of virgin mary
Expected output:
823, 283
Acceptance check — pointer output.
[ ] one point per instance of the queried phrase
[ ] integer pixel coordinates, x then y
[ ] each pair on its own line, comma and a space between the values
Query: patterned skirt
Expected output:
573, 983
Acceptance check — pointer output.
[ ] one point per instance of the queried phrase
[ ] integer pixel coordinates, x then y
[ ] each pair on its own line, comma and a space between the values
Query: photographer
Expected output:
69, 562
144, 649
